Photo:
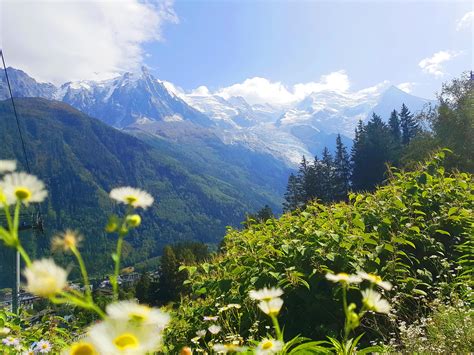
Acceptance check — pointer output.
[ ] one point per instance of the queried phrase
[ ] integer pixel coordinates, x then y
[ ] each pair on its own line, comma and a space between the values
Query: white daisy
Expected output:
268, 346
132, 196
272, 307
265, 294
44, 278
374, 301
201, 333
214, 329
343, 278
129, 311
43, 346
7, 166
23, 187
375, 279
11, 341
115, 337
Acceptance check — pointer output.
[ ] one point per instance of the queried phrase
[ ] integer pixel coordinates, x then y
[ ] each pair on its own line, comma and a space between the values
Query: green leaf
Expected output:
440, 231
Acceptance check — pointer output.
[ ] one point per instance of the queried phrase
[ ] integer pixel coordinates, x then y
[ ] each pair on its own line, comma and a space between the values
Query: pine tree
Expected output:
342, 171
394, 124
142, 289
408, 124
293, 194
327, 172
169, 281
371, 152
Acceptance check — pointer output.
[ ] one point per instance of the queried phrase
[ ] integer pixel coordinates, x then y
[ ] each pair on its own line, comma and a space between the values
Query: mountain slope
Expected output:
81, 159
128, 99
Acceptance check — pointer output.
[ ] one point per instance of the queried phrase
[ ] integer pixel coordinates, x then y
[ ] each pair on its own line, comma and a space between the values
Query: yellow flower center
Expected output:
22, 193
82, 349
267, 345
126, 341
131, 199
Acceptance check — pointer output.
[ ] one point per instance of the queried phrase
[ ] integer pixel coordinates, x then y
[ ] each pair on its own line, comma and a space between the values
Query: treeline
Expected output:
165, 284
401, 141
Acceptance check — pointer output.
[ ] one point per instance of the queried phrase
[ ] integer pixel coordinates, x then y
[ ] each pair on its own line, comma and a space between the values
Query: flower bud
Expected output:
134, 220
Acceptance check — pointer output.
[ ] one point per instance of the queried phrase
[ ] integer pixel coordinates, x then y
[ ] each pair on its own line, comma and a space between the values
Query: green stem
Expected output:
85, 277
23, 254
67, 297
118, 255
16, 217
276, 325
346, 313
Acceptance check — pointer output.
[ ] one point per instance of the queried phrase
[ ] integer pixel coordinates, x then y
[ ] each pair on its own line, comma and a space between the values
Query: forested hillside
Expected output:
80, 159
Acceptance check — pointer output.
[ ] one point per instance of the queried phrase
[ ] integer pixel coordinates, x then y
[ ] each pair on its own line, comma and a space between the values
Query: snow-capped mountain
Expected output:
128, 99
24, 86
142, 102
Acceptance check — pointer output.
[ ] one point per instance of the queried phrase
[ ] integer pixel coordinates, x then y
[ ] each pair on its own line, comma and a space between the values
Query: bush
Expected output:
408, 232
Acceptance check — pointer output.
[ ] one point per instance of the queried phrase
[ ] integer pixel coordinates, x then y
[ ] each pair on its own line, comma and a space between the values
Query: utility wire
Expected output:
40, 219
16, 114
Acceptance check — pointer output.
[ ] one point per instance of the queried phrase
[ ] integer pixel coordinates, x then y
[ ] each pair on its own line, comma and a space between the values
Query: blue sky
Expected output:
261, 50
219, 43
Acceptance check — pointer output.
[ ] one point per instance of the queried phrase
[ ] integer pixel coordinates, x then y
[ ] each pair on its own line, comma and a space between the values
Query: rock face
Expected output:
140, 101
24, 86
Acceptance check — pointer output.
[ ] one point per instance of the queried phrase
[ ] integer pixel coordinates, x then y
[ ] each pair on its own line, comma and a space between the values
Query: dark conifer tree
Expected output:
408, 125
293, 194
372, 151
327, 175
169, 280
394, 124
342, 171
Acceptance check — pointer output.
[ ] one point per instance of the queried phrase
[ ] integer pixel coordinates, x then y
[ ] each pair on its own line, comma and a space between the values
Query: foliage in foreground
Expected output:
416, 232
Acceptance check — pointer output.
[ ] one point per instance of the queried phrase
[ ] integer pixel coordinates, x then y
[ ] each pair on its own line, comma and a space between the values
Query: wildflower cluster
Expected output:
371, 301
125, 327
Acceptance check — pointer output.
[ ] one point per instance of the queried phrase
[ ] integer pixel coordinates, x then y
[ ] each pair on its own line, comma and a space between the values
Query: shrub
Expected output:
408, 232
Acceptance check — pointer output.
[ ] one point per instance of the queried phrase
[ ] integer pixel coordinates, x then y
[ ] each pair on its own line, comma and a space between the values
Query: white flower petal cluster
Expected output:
265, 294
22, 187
11, 341
43, 346
272, 307
129, 311
375, 279
44, 278
214, 329
115, 337
7, 166
132, 197
374, 301
343, 278
269, 346
270, 301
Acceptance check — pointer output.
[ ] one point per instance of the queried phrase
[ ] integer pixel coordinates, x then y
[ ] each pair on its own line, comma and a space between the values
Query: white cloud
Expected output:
59, 41
259, 90
434, 65
465, 21
335, 81
407, 86
201, 91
